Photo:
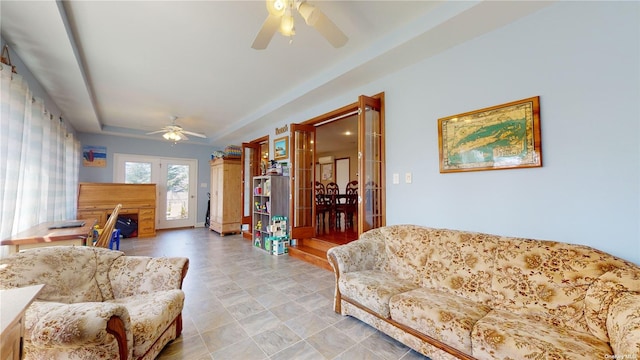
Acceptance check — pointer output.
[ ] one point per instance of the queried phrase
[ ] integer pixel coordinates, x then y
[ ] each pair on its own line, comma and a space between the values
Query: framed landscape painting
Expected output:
505, 136
281, 147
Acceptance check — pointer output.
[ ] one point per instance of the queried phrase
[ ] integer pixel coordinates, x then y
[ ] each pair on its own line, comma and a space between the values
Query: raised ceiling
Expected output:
125, 67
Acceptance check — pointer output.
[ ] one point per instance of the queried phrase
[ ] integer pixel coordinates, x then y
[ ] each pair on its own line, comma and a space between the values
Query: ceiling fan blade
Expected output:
269, 28
156, 132
194, 134
182, 136
316, 18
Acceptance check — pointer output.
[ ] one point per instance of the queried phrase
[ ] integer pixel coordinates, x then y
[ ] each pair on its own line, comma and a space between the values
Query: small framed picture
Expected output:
281, 148
327, 172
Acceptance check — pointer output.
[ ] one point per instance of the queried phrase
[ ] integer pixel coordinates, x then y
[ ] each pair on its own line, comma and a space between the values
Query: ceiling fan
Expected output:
175, 132
281, 19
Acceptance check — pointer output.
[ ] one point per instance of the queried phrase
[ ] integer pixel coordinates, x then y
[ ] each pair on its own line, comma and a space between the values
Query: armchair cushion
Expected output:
151, 314
138, 275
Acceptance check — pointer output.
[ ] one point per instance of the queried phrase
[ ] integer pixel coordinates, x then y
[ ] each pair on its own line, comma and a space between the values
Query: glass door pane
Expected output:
371, 175
137, 172
250, 168
302, 181
176, 190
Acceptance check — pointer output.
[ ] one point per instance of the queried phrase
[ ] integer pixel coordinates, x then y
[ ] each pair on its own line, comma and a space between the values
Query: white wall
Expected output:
583, 60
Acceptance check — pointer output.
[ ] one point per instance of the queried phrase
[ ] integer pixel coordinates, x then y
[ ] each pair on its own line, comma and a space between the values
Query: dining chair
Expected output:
322, 205
107, 233
333, 190
351, 203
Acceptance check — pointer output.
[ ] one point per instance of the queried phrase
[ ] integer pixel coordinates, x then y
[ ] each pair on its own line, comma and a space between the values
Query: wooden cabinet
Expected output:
270, 198
226, 196
97, 200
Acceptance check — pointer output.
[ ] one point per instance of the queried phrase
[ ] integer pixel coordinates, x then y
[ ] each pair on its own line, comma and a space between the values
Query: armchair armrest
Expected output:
137, 275
623, 325
52, 324
366, 253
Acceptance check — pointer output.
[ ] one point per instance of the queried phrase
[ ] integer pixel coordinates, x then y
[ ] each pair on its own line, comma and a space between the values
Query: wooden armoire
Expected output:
226, 196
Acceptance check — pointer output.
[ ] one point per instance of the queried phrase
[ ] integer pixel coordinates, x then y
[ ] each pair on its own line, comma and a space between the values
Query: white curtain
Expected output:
39, 160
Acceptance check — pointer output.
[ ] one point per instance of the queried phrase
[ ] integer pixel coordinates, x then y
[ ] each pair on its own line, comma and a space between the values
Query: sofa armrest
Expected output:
137, 275
366, 253
52, 324
623, 325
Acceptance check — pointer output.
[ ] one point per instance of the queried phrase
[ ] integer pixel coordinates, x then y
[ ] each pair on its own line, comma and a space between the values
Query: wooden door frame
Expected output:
338, 114
255, 171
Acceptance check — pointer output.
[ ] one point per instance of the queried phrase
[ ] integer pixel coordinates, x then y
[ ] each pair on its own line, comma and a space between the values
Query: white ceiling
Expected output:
125, 67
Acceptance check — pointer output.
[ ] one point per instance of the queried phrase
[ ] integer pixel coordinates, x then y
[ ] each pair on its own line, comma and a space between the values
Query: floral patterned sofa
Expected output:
97, 303
454, 294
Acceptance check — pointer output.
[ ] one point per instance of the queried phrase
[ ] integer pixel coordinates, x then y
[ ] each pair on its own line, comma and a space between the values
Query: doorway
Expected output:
337, 159
176, 185
370, 194
255, 159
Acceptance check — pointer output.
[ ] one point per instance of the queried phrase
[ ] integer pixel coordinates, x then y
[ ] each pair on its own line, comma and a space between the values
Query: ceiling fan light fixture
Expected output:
276, 7
172, 136
286, 24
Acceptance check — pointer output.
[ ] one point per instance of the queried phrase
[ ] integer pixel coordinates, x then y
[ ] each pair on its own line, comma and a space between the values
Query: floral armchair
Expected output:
97, 303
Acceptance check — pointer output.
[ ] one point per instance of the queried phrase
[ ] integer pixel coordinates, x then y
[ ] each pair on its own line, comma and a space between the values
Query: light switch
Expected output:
407, 178
396, 178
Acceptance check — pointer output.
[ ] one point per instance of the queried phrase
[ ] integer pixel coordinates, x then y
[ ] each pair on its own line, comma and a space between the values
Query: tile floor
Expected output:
242, 303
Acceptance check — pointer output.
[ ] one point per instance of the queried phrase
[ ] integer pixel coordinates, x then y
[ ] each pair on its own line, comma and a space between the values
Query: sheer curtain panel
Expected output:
39, 160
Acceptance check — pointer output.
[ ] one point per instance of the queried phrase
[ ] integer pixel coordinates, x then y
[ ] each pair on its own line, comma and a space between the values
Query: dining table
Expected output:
44, 235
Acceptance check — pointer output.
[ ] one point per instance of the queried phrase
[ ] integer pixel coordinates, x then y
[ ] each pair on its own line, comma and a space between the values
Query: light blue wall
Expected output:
125, 145
583, 60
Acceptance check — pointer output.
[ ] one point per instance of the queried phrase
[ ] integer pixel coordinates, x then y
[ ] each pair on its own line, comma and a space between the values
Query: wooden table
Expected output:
13, 303
41, 235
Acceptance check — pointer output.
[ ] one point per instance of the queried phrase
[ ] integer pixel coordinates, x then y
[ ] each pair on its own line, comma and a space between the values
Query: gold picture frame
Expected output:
281, 148
504, 136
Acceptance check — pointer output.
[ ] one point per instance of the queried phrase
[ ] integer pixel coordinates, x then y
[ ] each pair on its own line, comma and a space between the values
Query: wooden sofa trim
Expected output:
115, 327
337, 307
426, 338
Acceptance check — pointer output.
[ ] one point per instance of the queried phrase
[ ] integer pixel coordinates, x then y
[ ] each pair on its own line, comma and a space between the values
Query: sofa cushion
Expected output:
373, 288
602, 292
68, 272
151, 314
547, 278
506, 335
461, 263
623, 324
407, 252
441, 315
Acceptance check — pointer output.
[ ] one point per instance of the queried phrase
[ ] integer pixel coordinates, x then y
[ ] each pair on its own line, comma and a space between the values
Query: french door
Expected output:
302, 206
371, 167
175, 180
